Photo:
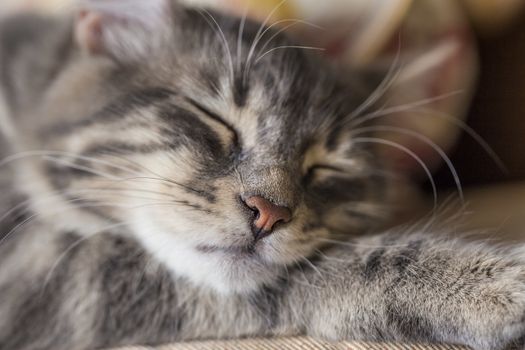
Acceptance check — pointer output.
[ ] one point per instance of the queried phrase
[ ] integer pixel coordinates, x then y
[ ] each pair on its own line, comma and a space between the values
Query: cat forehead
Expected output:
273, 94
218, 52
206, 45
271, 109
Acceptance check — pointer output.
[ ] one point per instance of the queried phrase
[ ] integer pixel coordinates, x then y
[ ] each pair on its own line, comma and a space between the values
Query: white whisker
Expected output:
258, 38
240, 36
295, 22
51, 196
226, 45
471, 132
383, 87
289, 47
45, 153
410, 153
83, 206
62, 256
423, 139
402, 108
359, 245
92, 171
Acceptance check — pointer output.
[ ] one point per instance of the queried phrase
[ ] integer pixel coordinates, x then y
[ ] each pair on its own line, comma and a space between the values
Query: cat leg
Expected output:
414, 288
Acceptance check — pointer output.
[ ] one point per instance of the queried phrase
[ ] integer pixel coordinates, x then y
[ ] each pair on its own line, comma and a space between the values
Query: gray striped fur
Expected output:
134, 232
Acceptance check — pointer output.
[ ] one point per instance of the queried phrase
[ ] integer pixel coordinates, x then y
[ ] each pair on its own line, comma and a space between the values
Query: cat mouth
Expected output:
240, 251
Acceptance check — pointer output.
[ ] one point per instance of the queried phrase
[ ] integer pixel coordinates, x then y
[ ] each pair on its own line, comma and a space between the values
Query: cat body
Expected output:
177, 178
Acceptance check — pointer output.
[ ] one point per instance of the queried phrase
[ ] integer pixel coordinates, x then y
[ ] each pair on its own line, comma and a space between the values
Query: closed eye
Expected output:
325, 167
218, 119
320, 168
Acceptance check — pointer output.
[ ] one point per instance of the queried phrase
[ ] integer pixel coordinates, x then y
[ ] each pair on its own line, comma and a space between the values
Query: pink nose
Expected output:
267, 215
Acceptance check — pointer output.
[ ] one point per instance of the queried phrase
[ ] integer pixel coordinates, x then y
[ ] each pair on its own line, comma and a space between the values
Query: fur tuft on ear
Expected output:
126, 30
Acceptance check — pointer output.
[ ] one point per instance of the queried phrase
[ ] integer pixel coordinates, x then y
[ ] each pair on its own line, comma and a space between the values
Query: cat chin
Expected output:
225, 272
235, 276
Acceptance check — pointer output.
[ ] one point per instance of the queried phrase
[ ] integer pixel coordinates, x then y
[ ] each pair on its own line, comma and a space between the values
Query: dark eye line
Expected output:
309, 175
217, 118
326, 167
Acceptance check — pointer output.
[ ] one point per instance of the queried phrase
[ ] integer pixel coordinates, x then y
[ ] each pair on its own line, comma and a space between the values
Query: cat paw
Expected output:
438, 291
490, 304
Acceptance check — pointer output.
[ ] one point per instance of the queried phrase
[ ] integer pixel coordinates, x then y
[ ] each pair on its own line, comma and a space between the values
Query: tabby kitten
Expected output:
186, 179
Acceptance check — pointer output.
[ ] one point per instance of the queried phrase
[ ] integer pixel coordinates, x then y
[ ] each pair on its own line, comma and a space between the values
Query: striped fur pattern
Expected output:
132, 156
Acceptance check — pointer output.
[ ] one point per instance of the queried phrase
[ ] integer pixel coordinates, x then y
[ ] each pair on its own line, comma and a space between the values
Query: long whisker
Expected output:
125, 193
358, 245
50, 156
327, 258
471, 132
314, 268
258, 38
410, 153
423, 139
393, 73
44, 153
119, 179
31, 218
167, 182
221, 34
294, 23
158, 177
73, 246
113, 178
402, 108
49, 197
89, 170
240, 36
87, 206
289, 47
456, 122
83, 206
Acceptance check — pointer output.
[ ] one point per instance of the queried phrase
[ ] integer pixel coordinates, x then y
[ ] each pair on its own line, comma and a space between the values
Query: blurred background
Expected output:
497, 113
498, 108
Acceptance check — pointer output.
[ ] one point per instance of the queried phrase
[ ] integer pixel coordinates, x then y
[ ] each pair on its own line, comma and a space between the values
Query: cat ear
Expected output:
126, 30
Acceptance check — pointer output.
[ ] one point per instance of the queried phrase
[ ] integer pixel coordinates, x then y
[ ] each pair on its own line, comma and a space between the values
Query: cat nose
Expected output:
267, 215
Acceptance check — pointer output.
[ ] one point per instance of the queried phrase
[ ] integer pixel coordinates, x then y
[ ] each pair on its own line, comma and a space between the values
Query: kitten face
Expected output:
226, 171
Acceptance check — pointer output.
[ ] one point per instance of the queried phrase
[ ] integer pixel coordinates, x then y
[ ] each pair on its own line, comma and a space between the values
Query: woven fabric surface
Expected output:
293, 344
